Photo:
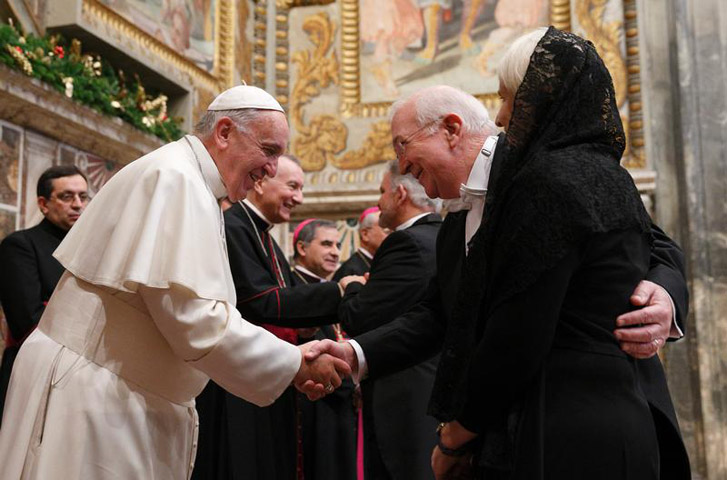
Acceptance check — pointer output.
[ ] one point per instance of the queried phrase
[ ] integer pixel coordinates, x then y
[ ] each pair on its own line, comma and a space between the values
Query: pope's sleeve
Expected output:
211, 336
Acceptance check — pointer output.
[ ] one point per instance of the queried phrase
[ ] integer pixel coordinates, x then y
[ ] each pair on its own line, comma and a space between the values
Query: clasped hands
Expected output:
322, 368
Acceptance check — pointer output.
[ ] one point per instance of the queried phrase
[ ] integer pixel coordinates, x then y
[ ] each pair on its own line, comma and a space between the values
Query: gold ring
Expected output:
329, 388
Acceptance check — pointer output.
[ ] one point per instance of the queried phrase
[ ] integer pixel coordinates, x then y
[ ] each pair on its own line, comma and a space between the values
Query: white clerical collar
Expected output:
480, 172
210, 173
257, 212
411, 221
365, 253
309, 273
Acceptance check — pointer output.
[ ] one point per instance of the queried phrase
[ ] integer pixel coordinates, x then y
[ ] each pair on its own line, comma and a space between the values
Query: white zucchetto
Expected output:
244, 96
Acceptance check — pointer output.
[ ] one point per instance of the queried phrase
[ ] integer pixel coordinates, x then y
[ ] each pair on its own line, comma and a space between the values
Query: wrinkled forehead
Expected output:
404, 119
326, 234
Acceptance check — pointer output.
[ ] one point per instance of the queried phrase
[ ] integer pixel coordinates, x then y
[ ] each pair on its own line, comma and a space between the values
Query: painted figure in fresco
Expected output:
390, 26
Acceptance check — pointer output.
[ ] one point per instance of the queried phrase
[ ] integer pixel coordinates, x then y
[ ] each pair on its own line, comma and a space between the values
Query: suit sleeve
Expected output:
409, 339
667, 270
20, 286
398, 271
260, 299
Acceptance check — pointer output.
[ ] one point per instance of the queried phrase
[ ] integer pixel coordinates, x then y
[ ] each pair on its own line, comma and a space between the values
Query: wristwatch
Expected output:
450, 452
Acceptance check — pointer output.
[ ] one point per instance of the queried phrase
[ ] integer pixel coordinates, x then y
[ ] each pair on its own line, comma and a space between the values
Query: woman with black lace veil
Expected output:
530, 366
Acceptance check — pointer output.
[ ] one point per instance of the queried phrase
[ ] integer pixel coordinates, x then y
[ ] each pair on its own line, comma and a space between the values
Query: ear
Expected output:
43, 205
258, 186
223, 131
401, 194
300, 248
453, 128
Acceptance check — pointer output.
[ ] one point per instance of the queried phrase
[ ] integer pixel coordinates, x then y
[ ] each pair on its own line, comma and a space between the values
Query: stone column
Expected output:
685, 85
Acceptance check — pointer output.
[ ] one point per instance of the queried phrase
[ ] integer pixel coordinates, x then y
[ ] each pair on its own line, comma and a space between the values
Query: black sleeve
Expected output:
260, 299
518, 335
20, 286
409, 339
398, 273
667, 270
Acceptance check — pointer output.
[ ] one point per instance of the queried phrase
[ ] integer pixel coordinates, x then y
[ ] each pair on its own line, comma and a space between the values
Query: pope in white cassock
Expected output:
144, 314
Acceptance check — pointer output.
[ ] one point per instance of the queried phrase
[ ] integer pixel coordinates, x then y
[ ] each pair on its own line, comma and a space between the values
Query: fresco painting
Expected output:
410, 44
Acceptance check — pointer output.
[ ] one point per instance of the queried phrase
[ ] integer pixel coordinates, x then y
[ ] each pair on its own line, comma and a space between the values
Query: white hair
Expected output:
240, 117
436, 102
368, 221
514, 63
415, 189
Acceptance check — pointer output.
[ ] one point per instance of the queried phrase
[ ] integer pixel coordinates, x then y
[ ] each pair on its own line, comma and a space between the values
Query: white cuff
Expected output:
675, 331
363, 369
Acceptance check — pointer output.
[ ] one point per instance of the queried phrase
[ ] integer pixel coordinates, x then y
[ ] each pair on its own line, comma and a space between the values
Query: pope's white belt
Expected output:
93, 323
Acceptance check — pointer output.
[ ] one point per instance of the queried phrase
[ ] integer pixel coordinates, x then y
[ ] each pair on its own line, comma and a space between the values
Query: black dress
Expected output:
29, 276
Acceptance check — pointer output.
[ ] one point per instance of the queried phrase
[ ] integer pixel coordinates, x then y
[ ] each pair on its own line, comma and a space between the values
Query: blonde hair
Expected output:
514, 63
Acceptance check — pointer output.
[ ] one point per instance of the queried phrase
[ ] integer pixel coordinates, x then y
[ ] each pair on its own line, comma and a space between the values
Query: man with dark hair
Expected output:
370, 235
329, 425
398, 434
30, 273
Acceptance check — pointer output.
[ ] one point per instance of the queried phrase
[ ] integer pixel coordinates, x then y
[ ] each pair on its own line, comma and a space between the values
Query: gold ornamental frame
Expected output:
589, 15
222, 75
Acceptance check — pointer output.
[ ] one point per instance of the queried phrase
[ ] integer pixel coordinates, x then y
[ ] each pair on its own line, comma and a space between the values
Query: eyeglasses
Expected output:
69, 197
400, 145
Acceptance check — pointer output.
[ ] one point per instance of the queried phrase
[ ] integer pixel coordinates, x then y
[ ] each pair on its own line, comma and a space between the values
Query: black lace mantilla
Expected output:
560, 182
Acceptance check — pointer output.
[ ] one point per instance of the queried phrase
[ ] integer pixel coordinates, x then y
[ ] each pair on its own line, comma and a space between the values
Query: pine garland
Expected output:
88, 79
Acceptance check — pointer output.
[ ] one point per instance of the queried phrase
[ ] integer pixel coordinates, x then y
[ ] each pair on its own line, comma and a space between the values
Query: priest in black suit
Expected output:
329, 424
456, 128
398, 433
238, 440
370, 236
30, 273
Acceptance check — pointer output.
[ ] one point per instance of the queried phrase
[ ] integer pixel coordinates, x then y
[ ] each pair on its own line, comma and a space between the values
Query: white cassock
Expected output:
104, 388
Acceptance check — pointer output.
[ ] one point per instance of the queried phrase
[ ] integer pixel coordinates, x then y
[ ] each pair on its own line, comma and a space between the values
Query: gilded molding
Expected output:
635, 126
606, 36
260, 28
560, 14
318, 142
223, 72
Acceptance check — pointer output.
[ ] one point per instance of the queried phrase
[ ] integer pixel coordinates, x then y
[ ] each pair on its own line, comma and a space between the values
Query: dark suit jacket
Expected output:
419, 333
29, 276
238, 440
396, 426
356, 264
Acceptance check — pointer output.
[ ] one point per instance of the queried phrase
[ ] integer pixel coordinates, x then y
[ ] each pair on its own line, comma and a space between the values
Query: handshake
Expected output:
324, 365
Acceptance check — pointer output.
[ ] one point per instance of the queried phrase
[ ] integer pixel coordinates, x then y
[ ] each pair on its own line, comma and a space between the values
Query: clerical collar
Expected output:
480, 172
210, 173
309, 273
365, 253
260, 215
411, 221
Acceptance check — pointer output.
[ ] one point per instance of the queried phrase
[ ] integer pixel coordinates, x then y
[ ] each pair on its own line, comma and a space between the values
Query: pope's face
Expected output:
252, 154
279, 195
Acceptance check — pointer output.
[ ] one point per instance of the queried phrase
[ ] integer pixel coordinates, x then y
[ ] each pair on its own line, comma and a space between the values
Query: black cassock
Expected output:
239, 440
398, 434
357, 264
29, 276
329, 424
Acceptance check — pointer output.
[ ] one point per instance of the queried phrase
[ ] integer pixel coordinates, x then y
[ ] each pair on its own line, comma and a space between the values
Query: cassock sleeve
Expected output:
409, 339
399, 272
20, 286
667, 270
211, 336
262, 301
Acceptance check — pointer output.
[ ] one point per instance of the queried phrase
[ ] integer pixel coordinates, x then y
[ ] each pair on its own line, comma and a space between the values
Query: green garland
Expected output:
88, 79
